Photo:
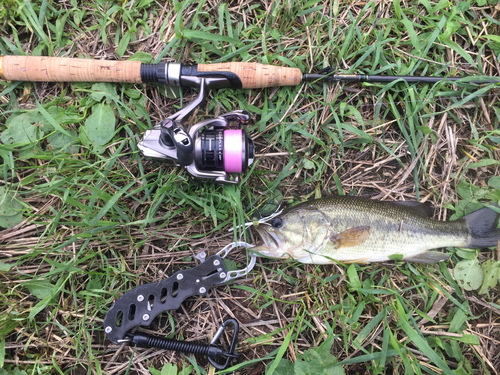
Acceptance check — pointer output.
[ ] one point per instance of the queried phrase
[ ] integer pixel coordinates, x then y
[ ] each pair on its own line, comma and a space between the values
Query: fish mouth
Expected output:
271, 243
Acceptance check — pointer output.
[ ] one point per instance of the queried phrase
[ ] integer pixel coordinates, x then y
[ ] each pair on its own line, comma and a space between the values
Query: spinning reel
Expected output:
210, 149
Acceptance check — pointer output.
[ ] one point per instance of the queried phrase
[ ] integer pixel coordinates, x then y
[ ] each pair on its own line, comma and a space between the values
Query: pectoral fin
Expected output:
351, 237
428, 257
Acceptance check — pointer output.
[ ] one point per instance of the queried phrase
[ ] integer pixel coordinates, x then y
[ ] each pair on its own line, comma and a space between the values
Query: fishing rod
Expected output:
213, 149
235, 75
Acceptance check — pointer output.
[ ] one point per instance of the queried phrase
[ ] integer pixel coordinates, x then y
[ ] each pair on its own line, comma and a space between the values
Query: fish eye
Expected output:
277, 222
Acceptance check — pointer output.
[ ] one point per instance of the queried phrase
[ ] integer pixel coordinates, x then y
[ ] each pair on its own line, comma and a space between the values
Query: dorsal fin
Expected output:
423, 209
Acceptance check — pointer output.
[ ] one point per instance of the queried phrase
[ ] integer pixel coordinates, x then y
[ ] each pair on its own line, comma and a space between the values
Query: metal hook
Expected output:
230, 354
238, 273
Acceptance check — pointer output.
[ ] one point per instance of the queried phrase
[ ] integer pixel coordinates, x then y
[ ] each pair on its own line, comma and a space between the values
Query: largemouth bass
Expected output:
359, 230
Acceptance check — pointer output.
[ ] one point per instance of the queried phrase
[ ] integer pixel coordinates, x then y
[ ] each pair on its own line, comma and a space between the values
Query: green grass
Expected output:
98, 219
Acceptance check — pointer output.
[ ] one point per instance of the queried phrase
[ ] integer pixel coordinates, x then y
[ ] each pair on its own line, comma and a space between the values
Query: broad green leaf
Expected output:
272, 203
95, 283
465, 190
169, 369
451, 28
230, 264
100, 126
61, 142
64, 116
15, 371
48, 119
83, 137
21, 131
103, 90
318, 361
308, 164
171, 92
397, 8
494, 182
285, 367
32, 116
43, 290
11, 221
468, 339
494, 38
491, 271
352, 274
4, 267
396, 257
133, 93
144, 3
459, 318
39, 307
40, 288
314, 361
411, 33
9, 206
186, 370
484, 163
10, 209
123, 44
468, 274
493, 195
467, 253
459, 50
143, 57
424, 129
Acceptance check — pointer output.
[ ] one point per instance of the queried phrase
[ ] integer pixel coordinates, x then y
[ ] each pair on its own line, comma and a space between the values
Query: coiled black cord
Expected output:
212, 351
147, 341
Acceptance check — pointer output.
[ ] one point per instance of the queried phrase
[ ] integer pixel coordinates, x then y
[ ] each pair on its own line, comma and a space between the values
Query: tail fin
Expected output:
483, 228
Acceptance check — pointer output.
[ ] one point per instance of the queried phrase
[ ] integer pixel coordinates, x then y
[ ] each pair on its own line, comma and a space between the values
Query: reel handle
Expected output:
174, 135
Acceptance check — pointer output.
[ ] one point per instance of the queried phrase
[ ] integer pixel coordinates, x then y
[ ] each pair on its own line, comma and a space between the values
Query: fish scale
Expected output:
359, 230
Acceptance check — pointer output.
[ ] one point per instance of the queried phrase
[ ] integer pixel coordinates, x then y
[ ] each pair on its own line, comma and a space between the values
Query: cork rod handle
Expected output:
254, 75
64, 69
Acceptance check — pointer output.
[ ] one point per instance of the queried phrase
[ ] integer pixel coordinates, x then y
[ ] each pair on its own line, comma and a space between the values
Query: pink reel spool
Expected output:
233, 151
